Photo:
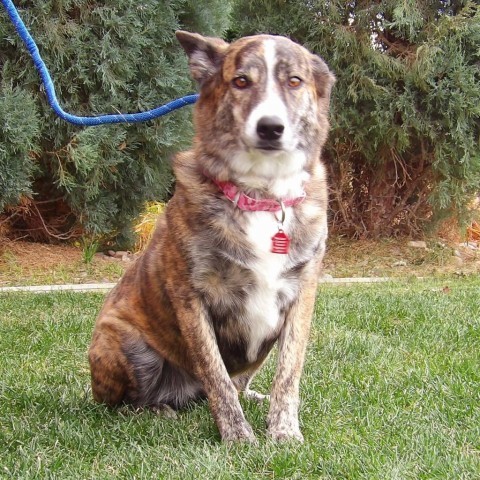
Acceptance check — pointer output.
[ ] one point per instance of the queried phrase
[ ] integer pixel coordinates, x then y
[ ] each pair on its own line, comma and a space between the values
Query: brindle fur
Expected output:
175, 327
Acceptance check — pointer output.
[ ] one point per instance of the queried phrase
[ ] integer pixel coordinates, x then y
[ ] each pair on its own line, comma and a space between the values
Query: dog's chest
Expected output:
263, 314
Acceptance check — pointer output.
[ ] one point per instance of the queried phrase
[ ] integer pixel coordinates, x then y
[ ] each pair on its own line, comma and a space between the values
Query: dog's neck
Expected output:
244, 202
271, 178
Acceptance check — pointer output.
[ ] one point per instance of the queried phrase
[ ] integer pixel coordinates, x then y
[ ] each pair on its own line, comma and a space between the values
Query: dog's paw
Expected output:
164, 410
255, 396
282, 427
239, 433
283, 433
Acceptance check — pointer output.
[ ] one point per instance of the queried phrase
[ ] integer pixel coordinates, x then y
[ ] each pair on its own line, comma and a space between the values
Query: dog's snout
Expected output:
270, 128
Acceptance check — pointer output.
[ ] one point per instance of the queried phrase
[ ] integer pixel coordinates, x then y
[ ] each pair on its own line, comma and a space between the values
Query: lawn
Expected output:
391, 390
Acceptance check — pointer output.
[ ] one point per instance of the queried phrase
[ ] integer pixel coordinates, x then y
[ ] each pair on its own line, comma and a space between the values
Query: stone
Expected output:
458, 261
417, 244
470, 245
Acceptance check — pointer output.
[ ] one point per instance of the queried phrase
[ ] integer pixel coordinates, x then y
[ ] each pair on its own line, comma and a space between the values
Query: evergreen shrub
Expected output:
59, 181
404, 149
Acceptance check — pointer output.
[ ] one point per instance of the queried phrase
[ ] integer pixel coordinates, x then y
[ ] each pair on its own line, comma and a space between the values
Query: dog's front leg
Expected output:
282, 418
210, 370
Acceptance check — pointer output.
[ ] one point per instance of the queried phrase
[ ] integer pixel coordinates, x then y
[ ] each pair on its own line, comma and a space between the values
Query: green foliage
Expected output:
209, 17
89, 249
404, 150
104, 57
17, 146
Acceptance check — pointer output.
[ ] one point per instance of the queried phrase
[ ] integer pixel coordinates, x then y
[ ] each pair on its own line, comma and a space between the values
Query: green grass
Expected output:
391, 390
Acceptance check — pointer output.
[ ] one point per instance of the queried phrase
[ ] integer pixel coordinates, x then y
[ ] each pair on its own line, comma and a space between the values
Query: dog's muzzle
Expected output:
269, 133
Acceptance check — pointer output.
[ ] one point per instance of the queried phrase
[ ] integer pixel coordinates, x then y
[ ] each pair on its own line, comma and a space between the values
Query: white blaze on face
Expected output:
282, 170
255, 166
271, 104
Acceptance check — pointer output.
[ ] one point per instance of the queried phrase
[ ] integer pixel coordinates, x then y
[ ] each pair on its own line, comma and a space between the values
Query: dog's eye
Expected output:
294, 82
241, 82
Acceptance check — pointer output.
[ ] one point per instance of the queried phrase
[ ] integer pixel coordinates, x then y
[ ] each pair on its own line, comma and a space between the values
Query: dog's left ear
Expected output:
204, 53
324, 78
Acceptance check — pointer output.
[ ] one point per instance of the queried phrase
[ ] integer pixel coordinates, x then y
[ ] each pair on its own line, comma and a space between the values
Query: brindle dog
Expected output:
199, 311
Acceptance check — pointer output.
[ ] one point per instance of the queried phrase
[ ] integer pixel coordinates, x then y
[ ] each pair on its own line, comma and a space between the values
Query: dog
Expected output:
232, 266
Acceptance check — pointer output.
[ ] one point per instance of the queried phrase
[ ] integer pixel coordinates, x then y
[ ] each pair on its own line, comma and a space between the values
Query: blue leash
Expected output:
50, 89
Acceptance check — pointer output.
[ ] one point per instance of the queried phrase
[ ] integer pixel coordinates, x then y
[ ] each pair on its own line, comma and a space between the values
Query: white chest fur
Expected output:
263, 315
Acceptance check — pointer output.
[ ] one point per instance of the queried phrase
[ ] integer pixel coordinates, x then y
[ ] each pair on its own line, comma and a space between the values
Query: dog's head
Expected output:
263, 105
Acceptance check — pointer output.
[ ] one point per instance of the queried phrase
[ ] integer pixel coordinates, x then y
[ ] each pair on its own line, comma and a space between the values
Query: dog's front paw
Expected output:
240, 432
283, 427
284, 433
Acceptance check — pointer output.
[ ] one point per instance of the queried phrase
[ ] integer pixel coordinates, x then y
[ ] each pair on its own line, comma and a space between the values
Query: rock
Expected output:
400, 263
111, 253
120, 254
471, 245
458, 261
326, 276
417, 244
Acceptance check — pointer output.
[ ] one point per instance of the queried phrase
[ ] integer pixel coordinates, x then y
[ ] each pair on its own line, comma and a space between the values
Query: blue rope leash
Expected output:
50, 89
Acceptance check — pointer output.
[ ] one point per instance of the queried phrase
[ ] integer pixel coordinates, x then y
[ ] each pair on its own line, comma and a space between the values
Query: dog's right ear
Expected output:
204, 53
324, 78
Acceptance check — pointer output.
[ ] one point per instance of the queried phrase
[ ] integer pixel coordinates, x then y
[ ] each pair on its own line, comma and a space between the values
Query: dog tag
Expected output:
280, 243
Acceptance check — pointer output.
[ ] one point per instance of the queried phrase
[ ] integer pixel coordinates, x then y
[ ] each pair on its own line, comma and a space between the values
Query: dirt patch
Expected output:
397, 258
34, 256
24, 263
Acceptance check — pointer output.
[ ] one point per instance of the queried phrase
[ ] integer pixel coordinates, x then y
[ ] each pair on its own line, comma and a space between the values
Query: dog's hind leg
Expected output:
255, 396
111, 375
159, 384
242, 383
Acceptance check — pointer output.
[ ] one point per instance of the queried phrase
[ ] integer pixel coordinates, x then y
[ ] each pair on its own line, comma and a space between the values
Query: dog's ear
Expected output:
324, 78
204, 53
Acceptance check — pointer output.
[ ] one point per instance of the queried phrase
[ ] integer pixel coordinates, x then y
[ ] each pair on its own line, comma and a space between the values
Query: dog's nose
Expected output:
270, 128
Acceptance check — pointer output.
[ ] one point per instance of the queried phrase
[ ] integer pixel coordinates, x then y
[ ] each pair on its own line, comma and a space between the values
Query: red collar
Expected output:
244, 202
